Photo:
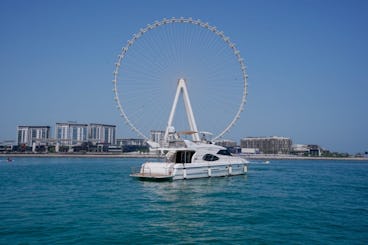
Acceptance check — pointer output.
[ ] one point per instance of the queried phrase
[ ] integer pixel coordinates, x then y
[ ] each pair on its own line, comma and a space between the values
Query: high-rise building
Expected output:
102, 133
71, 133
28, 135
268, 145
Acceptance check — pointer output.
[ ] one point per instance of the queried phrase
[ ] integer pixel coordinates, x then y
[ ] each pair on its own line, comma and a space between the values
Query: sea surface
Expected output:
94, 201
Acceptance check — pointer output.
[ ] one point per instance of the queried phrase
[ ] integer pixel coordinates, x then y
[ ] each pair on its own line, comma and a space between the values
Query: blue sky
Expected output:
307, 63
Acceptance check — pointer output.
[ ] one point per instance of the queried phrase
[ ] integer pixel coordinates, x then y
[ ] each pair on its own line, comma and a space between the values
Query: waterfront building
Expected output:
250, 151
226, 143
268, 145
131, 145
315, 150
131, 142
306, 150
27, 135
300, 149
102, 133
71, 133
7, 146
157, 136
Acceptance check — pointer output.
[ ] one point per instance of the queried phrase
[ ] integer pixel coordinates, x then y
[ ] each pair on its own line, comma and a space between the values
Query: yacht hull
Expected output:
177, 171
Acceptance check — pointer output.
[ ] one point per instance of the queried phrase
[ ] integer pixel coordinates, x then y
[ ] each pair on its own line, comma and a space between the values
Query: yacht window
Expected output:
224, 152
184, 156
210, 157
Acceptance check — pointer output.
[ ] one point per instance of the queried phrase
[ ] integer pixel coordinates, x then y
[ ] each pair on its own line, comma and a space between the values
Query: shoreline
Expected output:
137, 155
291, 157
79, 155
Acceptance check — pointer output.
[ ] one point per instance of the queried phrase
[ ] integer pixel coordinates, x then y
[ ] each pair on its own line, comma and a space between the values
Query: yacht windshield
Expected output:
224, 152
210, 157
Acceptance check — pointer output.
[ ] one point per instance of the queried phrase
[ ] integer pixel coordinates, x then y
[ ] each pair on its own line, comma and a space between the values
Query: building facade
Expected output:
71, 133
306, 150
131, 142
226, 143
102, 133
157, 136
268, 145
133, 145
27, 135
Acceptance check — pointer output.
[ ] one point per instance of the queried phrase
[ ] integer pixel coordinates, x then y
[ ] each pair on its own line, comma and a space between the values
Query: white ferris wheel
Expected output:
174, 58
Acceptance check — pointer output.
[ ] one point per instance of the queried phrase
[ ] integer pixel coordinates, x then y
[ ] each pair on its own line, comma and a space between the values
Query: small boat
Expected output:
193, 160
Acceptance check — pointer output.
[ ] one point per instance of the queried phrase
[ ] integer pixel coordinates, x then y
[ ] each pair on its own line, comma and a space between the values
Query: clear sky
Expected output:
307, 63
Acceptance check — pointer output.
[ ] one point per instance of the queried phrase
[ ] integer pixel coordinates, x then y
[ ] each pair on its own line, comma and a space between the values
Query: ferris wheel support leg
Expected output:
188, 108
192, 124
172, 113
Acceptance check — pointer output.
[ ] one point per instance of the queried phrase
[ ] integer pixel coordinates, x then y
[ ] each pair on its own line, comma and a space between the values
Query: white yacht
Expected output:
190, 160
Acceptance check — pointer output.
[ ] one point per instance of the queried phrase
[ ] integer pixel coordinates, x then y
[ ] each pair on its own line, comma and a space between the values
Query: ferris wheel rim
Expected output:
172, 20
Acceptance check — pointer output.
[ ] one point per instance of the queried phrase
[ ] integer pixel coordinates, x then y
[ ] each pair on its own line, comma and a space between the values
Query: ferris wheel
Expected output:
180, 57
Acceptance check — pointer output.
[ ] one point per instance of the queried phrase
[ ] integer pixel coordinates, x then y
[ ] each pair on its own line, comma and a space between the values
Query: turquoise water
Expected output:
94, 201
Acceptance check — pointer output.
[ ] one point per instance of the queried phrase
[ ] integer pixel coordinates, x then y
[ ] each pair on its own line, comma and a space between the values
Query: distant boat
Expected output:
193, 160
267, 162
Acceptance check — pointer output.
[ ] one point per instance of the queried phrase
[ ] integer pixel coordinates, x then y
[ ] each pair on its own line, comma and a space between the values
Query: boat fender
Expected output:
184, 173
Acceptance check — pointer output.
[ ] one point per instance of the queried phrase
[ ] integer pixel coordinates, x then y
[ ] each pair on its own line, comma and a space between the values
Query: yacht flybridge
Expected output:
193, 160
